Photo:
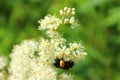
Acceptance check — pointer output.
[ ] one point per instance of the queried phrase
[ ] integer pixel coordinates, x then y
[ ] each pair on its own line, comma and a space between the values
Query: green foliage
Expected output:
99, 30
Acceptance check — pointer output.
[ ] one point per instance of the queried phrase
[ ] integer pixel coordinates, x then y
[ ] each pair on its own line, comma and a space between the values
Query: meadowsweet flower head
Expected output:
38, 60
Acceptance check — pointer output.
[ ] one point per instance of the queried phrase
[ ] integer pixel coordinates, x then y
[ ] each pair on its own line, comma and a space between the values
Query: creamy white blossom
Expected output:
65, 76
33, 60
3, 62
21, 55
49, 22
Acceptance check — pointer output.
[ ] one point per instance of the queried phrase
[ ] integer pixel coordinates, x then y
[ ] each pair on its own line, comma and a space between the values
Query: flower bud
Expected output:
61, 12
68, 11
73, 12
72, 20
65, 8
73, 9
66, 20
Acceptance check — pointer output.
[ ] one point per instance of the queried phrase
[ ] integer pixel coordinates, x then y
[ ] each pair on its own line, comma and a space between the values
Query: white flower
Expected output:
73, 9
49, 22
72, 20
33, 60
66, 20
74, 52
65, 76
21, 55
3, 62
41, 71
61, 12
65, 8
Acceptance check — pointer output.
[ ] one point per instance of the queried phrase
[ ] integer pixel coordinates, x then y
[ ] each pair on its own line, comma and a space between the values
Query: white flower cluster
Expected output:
33, 60
74, 52
49, 22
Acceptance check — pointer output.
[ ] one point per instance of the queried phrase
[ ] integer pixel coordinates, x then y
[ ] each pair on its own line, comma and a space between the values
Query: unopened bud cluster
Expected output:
67, 11
68, 15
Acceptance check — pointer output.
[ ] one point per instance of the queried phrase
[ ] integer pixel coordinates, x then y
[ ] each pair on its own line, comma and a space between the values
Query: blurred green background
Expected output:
99, 30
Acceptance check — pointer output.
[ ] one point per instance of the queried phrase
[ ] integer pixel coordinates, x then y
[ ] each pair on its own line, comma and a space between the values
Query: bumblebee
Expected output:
60, 63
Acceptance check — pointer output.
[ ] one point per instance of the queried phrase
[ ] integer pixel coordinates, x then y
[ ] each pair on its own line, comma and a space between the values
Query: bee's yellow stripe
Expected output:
62, 63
